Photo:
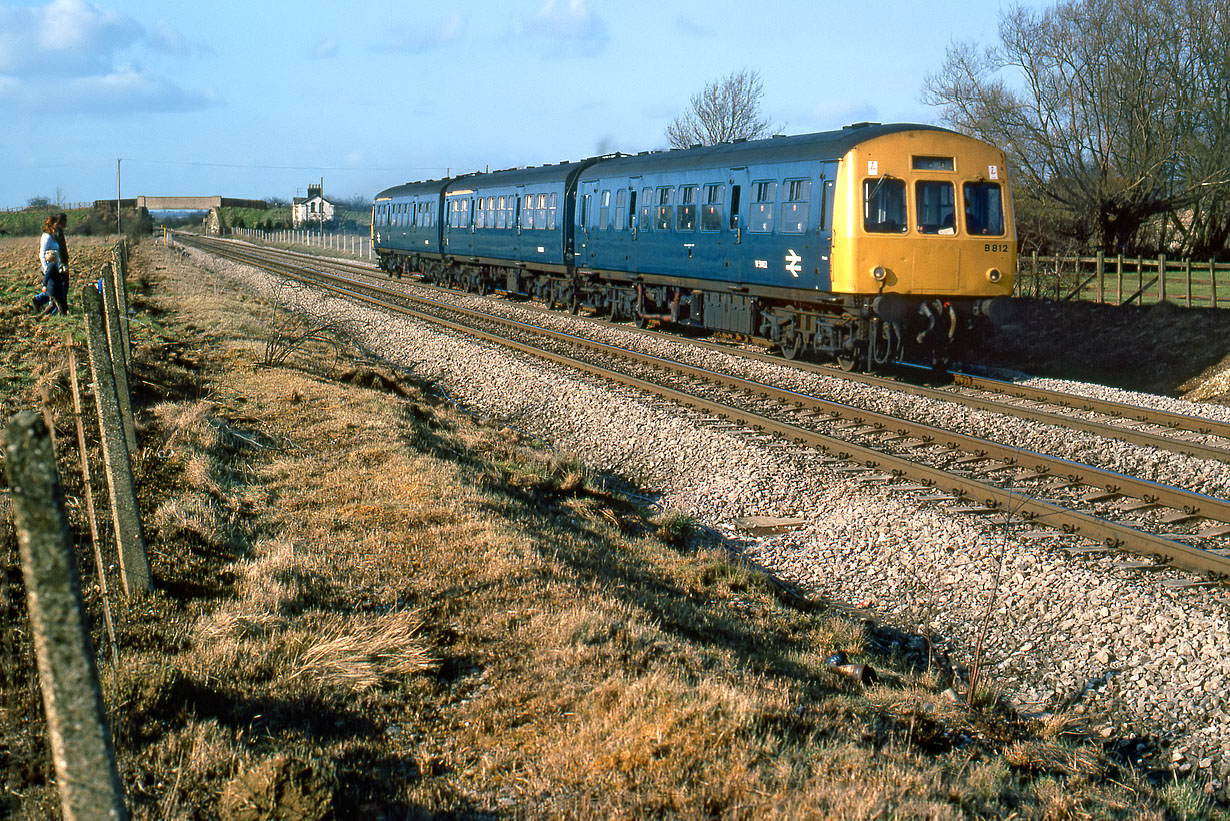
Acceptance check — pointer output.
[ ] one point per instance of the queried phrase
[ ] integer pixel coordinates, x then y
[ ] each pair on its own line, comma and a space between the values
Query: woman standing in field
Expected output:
55, 285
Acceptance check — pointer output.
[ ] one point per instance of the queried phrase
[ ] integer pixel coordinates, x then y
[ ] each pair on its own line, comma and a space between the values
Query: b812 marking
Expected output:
994, 247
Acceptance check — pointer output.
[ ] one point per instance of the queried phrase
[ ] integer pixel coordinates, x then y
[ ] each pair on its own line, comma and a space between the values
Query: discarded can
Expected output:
861, 673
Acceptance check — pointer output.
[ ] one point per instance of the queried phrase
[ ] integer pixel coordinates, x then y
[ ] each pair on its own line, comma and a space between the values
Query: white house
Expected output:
312, 209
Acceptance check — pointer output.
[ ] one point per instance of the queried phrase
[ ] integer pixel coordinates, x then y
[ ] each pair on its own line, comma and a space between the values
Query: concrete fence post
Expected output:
125, 515
120, 283
119, 361
81, 749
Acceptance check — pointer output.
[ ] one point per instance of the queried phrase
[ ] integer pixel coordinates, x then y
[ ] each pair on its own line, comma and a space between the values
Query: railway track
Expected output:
1008, 484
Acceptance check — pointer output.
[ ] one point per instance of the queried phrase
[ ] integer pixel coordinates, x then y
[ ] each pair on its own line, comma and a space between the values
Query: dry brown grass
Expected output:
370, 605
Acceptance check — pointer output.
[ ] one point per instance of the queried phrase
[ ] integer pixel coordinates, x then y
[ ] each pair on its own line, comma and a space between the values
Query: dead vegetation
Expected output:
370, 605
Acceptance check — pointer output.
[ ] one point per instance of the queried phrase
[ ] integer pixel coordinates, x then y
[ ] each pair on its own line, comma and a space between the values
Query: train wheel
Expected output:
792, 345
850, 360
574, 302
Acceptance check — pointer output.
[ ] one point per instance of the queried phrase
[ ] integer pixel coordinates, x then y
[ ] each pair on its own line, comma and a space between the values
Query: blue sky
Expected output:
258, 99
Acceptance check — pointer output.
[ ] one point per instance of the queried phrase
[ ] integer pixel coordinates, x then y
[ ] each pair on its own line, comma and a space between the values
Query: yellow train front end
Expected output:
926, 236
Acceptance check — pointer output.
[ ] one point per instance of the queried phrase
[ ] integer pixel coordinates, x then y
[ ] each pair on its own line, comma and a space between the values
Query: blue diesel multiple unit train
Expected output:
868, 244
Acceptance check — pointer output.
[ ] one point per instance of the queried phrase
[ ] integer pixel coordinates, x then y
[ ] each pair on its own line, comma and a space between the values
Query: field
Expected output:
370, 605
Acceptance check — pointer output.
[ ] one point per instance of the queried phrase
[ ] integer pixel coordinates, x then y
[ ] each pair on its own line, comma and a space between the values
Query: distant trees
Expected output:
727, 109
1115, 113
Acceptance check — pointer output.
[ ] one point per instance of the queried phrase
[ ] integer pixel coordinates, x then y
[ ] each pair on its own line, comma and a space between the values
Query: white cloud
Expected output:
74, 55
169, 40
429, 36
569, 25
324, 49
63, 38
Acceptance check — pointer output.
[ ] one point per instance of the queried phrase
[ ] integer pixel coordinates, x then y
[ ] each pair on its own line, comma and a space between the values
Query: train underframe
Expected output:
859, 332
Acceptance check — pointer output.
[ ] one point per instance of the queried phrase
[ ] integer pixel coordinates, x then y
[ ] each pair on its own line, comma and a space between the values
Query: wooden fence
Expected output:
1121, 280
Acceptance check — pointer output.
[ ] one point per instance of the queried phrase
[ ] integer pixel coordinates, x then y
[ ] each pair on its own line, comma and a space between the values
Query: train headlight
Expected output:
880, 273
994, 275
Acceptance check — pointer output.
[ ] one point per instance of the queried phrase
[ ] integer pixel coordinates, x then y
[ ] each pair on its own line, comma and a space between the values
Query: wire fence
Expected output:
1121, 280
51, 206
347, 244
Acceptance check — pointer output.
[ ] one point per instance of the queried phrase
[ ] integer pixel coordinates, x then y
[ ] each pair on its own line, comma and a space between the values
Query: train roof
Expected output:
486, 179
411, 189
827, 145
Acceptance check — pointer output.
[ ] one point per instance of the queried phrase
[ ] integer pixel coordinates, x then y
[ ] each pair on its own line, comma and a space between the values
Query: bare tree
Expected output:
726, 110
1110, 109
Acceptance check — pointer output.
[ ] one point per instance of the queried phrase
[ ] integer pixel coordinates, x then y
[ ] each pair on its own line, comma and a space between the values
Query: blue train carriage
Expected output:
509, 231
705, 236
406, 226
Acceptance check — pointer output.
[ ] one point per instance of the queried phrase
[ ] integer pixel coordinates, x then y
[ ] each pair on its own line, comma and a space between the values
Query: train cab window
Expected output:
604, 210
552, 211
647, 210
884, 206
711, 212
685, 213
936, 207
540, 218
795, 205
984, 208
665, 209
760, 210
621, 209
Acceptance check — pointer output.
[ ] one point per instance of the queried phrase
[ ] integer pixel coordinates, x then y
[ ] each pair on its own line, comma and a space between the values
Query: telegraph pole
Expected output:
117, 196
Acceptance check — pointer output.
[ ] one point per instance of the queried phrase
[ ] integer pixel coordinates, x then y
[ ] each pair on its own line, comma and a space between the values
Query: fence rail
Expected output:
1121, 280
51, 206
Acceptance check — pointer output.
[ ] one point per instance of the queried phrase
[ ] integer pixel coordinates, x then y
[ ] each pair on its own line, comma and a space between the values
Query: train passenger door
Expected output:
823, 279
733, 234
587, 201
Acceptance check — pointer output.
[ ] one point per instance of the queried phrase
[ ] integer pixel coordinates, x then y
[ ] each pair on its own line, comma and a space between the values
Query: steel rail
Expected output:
1190, 502
1196, 424
1027, 506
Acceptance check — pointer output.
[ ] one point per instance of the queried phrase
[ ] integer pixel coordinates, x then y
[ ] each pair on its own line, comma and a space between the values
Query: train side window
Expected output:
884, 206
604, 210
735, 192
760, 211
552, 212
480, 214
795, 205
540, 220
527, 213
984, 208
936, 206
647, 210
685, 214
621, 208
584, 210
665, 208
711, 212
632, 210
